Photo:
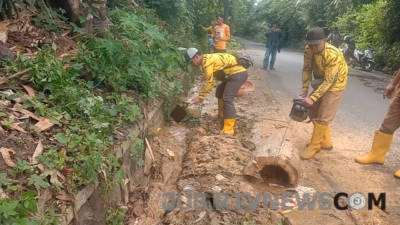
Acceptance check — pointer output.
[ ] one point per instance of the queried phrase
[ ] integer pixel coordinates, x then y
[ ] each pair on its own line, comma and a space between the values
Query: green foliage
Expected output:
115, 216
137, 149
371, 25
10, 8
52, 159
15, 212
48, 18
39, 181
24, 166
3, 179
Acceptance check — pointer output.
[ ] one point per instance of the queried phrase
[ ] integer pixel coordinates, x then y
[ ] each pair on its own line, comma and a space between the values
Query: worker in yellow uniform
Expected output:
329, 69
236, 76
384, 136
221, 35
210, 28
210, 36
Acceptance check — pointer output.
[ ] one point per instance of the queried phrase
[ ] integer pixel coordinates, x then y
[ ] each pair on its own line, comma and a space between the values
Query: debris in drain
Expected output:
201, 216
219, 177
216, 188
170, 153
188, 188
302, 190
275, 185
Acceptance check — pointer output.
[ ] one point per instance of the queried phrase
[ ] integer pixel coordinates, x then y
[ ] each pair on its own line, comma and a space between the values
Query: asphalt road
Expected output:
362, 107
361, 112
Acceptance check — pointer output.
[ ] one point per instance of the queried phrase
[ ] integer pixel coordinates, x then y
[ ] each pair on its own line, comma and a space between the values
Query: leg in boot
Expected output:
231, 89
229, 124
384, 137
326, 140
316, 140
219, 94
380, 147
220, 113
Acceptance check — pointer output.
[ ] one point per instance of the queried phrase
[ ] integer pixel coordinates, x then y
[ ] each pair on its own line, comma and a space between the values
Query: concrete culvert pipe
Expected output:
269, 155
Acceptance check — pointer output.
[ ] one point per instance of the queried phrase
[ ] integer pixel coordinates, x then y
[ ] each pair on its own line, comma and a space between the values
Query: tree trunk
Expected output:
226, 12
95, 18
271, 153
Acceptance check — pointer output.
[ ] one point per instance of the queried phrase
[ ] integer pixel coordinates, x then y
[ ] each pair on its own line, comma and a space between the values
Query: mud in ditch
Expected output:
204, 161
275, 174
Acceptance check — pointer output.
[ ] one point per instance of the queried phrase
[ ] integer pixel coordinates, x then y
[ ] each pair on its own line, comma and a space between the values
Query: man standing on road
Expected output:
227, 90
274, 35
384, 136
329, 69
221, 35
334, 38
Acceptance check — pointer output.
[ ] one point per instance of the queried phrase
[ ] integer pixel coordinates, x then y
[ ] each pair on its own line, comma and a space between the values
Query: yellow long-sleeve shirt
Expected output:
329, 65
224, 33
215, 62
210, 28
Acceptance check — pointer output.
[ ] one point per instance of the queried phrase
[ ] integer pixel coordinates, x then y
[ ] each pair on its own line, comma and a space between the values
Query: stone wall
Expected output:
91, 205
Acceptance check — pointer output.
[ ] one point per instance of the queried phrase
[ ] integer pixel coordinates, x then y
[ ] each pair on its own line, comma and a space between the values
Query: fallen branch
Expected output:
150, 150
134, 4
5, 80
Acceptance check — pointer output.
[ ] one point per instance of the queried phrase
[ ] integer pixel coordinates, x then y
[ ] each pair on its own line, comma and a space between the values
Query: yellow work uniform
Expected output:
216, 62
224, 33
329, 65
210, 28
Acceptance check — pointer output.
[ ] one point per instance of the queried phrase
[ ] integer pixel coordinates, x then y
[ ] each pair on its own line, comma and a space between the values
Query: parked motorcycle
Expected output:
365, 60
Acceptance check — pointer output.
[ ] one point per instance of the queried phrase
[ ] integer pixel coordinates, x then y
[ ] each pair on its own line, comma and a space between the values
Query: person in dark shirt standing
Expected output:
274, 35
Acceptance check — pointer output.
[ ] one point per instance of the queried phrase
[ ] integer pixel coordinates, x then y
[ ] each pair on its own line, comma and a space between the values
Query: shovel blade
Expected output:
178, 114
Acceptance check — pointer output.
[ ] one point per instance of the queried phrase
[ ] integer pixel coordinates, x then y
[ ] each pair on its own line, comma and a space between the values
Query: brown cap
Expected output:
315, 35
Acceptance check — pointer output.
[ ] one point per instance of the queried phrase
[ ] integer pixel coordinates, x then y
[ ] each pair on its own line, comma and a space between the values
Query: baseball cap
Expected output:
314, 36
190, 53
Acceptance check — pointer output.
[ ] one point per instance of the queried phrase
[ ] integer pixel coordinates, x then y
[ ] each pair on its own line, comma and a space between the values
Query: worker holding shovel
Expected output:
218, 66
329, 69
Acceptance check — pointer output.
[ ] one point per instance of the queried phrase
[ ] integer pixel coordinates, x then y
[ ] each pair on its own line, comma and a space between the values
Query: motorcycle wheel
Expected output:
369, 67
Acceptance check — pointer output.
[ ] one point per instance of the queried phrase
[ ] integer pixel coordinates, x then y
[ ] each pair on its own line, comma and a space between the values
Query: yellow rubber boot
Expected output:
316, 140
397, 174
380, 147
228, 126
326, 143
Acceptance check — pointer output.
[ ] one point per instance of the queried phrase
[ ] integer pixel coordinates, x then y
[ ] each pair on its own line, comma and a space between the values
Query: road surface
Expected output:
362, 104
361, 111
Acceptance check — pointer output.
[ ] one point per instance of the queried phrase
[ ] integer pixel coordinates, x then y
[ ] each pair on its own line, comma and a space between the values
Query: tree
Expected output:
226, 11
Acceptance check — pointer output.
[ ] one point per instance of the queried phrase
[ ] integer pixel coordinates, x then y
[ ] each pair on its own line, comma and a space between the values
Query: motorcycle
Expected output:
365, 59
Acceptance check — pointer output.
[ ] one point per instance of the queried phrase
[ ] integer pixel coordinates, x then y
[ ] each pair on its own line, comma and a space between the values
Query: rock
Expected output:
138, 208
249, 145
132, 221
5, 52
201, 131
287, 221
195, 112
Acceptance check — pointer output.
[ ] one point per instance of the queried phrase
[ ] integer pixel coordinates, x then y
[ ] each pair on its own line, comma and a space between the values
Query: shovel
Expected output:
181, 111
